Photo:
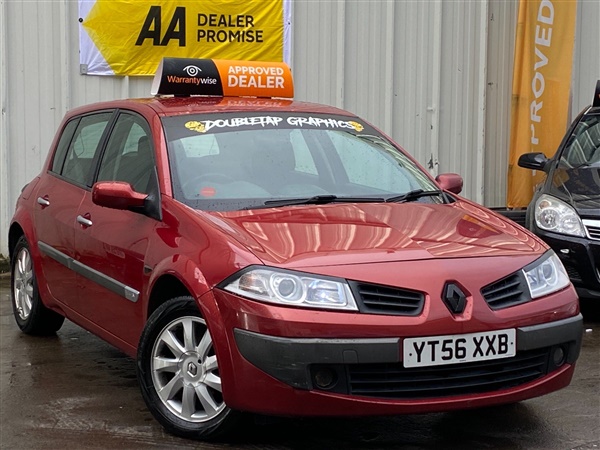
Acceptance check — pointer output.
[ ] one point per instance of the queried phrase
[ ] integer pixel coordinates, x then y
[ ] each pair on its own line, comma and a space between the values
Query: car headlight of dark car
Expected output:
552, 214
291, 288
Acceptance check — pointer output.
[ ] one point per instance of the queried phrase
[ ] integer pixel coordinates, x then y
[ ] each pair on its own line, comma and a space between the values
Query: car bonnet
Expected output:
338, 234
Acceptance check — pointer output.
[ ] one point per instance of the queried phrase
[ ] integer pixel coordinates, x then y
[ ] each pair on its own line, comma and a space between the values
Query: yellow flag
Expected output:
541, 88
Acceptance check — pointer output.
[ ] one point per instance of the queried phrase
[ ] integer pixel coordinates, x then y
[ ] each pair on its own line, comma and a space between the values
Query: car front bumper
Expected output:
272, 360
300, 362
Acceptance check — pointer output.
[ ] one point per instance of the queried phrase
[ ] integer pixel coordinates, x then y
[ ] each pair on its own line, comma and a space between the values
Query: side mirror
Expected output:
117, 195
535, 161
452, 182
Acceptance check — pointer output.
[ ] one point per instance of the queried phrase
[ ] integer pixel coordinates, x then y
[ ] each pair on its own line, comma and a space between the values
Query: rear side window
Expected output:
63, 145
83, 146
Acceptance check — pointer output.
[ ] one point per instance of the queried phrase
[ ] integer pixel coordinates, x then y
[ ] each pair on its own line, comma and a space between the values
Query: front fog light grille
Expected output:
572, 271
509, 291
398, 382
394, 381
378, 299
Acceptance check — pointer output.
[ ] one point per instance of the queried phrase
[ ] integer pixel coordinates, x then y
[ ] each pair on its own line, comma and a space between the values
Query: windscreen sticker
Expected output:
327, 123
273, 122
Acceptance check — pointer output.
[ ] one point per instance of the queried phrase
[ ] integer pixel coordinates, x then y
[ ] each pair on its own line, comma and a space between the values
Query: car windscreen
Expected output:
578, 170
239, 160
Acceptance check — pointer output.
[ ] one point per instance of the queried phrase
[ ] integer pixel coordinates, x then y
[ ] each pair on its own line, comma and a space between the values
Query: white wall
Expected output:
586, 67
4, 183
434, 75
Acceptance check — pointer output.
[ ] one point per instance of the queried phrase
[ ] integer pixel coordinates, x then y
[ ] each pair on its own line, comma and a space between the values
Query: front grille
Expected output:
509, 291
594, 232
395, 381
378, 299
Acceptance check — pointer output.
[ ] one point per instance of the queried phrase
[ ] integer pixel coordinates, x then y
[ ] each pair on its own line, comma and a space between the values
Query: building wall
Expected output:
502, 20
434, 75
586, 58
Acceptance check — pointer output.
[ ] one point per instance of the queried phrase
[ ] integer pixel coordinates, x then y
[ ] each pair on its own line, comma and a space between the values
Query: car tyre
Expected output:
178, 372
31, 315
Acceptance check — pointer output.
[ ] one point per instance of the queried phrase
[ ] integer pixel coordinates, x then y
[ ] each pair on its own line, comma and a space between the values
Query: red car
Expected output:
284, 258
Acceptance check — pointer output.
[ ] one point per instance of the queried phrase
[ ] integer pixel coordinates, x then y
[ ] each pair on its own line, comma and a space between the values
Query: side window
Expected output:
129, 155
84, 144
63, 145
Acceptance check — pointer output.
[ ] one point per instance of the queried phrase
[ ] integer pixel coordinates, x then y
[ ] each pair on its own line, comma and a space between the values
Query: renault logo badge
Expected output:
454, 298
192, 369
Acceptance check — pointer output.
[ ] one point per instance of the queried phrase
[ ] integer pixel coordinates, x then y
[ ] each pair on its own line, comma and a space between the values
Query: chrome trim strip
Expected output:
590, 224
91, 274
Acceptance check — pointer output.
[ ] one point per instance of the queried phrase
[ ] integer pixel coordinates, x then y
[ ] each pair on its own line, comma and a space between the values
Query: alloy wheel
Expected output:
23, 283
185, 370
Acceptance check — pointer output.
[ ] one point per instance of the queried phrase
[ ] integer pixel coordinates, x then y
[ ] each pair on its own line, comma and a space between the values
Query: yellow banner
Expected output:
130, 37
541, 88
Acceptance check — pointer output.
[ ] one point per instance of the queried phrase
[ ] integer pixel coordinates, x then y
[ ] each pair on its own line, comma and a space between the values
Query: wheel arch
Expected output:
165, 287
180, 276
172, 277
14, 233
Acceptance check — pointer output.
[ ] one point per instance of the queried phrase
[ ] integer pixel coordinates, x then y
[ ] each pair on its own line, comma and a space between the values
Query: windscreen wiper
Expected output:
316, 200
414, 195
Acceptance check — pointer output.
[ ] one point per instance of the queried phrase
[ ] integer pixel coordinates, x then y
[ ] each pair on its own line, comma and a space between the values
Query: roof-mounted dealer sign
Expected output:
130, 37
186, 76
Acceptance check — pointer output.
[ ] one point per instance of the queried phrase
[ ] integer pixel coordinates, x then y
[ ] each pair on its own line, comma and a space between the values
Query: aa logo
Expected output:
152, 28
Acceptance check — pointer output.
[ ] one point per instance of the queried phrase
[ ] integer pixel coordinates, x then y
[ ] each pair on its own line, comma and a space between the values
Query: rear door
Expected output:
59, 194
112, 244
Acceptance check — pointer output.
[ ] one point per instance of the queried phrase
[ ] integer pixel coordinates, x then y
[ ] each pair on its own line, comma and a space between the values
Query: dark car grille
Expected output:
378, 299
594, 232
395, 381
506, 292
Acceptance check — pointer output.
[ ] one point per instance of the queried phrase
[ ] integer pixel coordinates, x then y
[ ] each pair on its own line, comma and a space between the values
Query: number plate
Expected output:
459, 348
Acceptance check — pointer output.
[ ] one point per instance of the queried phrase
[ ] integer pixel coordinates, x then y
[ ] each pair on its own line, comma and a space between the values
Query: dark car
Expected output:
279, 257
565, 210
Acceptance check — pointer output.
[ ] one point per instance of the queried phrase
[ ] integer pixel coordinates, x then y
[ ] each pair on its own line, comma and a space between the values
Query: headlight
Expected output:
552, 214
546, 275
293, 289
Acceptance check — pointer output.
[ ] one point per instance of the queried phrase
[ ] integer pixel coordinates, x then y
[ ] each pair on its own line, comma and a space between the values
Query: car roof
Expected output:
173, 106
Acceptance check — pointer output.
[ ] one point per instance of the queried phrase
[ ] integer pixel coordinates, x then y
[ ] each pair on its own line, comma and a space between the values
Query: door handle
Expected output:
43, 201
84, 221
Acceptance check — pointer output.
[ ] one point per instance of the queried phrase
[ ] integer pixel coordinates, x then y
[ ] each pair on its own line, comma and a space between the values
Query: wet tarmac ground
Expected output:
74, 391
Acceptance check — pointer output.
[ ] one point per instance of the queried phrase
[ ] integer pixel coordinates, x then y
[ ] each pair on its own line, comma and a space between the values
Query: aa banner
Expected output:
541, 88
130, 37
